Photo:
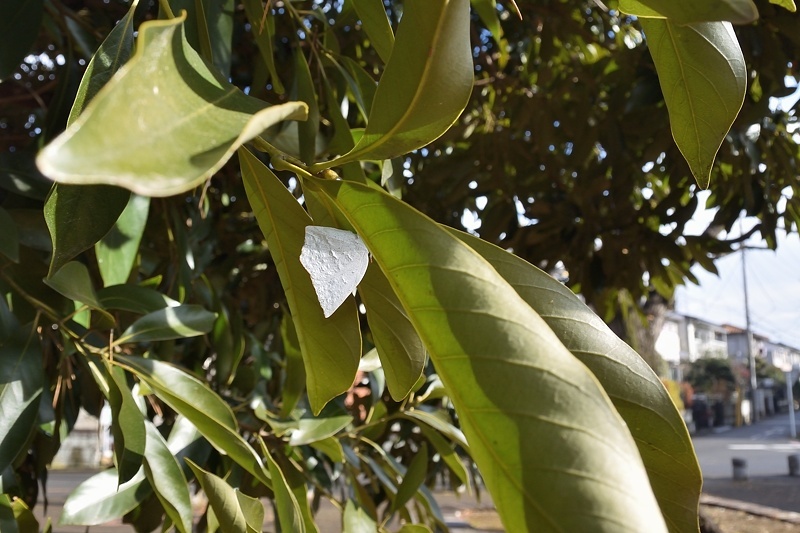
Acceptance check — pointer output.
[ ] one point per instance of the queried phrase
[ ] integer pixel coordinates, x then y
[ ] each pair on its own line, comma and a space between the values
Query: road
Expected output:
462, 514
765, 446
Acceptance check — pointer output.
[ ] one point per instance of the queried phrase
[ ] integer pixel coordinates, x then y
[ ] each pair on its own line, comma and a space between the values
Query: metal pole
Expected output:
789, 383
749, 338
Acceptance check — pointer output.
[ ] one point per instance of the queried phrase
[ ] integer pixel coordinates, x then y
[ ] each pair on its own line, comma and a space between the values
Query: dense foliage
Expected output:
183, 304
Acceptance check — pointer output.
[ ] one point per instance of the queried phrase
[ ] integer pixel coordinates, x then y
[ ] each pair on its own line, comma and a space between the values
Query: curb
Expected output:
751, 508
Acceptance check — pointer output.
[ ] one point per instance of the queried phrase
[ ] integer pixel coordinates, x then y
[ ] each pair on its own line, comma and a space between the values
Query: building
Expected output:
777, 354
685, 339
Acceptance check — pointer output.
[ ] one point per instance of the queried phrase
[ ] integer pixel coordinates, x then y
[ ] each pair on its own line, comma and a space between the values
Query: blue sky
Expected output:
773, 279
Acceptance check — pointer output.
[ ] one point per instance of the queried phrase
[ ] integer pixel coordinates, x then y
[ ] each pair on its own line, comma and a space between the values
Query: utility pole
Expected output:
749, 339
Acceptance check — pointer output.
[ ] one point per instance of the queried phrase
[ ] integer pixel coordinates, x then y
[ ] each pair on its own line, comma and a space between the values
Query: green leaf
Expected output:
315, 429
177, 97
294, 382
304, 88
640, 398
253, 511
170, 323
222, 498
19, 26
26, 521
690, 11
21, 383
117, 250
448, 454
538, 422
8, 322
79, 216
414, 528
201, 406
425, 86
114, 52
127, 426
330, 447
133, 298
101, 499
165, 476
361, 84
786, 4
357, 521
375, 22
487, 11
704, 79
7, 520
73, 281
414, 477
262, 26
331, 347
439, 424
399, 347
9, 238
228, 342
290, 516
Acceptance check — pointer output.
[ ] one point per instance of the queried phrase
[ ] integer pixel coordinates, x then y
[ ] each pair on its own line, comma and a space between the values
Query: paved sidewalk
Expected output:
776, 492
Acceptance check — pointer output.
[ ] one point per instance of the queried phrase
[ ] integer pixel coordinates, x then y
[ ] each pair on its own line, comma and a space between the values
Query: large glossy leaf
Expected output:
114, 52
375, 22
253, 511
7, 520
399, 347
184, 126
637, 393
438, 423
8, 322
294, 382
296, 483
331, 347
786, 4
356, 520
116, 252
290, 515
209, 29
687, 11
261, 25
19, 26
314, 429
9, 239
133, 298
73, 281
413, 478
307, 130
194, 400
538, 422
79, 216
21, 383
15, 516
127, 426
703, 77
425, 86
165, 476
26, 521
178, 322
448, 455
222, 498
101, 499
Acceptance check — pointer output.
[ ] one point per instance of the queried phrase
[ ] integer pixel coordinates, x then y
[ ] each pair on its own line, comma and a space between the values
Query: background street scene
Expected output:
768, 498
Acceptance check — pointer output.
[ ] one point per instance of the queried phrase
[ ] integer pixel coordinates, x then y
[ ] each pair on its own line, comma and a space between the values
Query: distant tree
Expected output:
711, 374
